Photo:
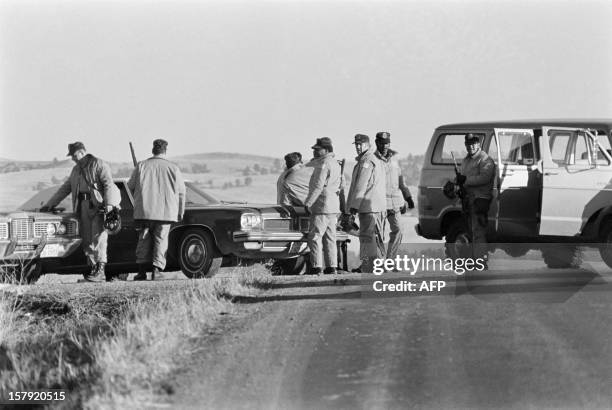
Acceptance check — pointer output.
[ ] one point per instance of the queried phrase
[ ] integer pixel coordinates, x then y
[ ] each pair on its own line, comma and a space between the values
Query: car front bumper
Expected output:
12, 251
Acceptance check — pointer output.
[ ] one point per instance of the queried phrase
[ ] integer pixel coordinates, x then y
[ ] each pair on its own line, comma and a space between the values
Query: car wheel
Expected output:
516, 250
293, 266
457, 240
198, 255
25, 272
562, 256
605, 250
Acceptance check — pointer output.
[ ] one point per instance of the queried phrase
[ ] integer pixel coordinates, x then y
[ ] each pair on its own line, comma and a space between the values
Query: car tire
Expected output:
25, 273
516, 250
197, 254
457, 240
562, 256
605, 250
293, 266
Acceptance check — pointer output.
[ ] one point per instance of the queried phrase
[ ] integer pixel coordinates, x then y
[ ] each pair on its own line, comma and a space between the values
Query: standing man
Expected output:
93, 193
367, 198
159, 200
293, 184
398, 194
477, 177
323, 204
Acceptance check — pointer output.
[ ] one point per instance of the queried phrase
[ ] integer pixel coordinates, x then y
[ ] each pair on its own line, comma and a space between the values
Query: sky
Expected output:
269, 77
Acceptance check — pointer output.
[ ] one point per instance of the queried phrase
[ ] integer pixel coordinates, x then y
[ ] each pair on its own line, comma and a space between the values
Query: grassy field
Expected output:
109, 345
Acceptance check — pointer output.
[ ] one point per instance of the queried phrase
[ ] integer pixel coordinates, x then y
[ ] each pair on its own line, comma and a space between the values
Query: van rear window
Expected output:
447, 144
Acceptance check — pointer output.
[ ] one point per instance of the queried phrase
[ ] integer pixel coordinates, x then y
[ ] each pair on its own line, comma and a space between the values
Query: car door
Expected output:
520, 180
576, 177
122, 246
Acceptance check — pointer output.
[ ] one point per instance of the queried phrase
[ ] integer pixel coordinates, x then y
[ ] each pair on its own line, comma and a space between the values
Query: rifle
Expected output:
133, 155
341, 193
345, 220
461, 190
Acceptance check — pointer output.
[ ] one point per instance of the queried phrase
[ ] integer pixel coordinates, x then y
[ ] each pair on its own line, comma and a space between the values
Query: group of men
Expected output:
377, 195
159, 200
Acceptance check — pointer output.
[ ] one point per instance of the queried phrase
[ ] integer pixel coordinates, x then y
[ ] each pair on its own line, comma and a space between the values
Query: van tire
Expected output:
458, 240
605, 249
562, 256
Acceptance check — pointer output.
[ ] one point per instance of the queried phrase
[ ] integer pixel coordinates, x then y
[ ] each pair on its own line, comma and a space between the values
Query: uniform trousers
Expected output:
322, 240
93, 234
395, 232
152, 243
371, 243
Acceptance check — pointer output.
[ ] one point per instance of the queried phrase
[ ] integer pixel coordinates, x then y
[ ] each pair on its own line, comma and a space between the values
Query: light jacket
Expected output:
480, 175
295, 185
159, 190
367, 192
396, 190
99, 181
324, 186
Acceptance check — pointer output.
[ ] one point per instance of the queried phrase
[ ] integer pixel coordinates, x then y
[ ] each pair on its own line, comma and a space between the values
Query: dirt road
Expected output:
530, 338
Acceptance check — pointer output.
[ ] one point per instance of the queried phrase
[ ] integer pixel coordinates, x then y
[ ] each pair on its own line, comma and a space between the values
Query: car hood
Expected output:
282, 210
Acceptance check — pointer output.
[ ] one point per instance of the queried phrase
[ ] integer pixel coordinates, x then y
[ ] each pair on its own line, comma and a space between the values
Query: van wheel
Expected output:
516, 250
457, 240
562, 256
197, 254
605, 250
293, 266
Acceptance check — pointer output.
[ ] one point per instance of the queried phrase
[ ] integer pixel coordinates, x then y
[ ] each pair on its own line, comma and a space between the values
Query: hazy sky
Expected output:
269, 77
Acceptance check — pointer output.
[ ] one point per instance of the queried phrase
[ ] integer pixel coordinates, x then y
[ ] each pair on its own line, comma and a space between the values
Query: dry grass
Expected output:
110, 346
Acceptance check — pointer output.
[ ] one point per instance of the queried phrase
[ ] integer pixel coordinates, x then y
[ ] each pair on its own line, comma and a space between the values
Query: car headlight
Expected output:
61, 229
250, 221
51, 229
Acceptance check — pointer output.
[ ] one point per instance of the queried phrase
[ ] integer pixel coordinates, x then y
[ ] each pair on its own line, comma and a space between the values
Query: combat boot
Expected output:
156, 275
96, 274
142, 273
330, 271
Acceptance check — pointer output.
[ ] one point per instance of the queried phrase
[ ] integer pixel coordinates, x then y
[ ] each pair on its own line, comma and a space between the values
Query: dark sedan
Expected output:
213, 234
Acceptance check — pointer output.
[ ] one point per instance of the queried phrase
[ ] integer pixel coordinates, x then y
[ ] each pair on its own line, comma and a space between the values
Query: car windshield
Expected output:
195, 196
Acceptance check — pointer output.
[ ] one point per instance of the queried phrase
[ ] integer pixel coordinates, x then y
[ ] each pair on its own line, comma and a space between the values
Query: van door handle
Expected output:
551, 173
508, 173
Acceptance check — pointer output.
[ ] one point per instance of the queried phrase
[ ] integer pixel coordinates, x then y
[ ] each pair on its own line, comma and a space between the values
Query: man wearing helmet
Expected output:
92, 188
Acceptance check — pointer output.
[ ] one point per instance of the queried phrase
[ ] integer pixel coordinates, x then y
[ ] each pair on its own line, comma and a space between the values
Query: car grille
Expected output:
280, 224
304, 224
4, 231
21, 228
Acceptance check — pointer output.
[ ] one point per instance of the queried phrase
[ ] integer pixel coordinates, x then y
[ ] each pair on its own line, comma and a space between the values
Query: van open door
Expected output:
576, 171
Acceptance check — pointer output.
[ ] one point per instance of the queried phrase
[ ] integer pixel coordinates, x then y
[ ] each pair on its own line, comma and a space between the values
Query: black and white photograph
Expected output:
305, 204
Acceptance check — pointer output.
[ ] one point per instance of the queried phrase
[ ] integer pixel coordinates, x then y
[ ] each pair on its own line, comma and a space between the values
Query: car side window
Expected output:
516, 148
447, 144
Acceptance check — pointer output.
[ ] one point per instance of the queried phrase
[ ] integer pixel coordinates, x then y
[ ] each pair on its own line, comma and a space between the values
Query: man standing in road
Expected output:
477, 177
159, 200
323, 204
367, 198
293, 184
398, 194
93, 193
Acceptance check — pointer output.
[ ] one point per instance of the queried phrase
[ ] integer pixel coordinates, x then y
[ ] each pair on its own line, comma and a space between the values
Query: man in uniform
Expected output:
477, 177
93, 193
367, 198
398, 194
159, 200
293, 183
323, 204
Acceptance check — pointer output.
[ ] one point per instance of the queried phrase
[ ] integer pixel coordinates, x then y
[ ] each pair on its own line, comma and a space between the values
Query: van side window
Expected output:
446, 144
516, 148
604, 142
558, 147
581, 153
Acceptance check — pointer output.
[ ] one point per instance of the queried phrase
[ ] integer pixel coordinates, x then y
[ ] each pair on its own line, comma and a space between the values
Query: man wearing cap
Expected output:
477, 177
159, 200
367, 198
397, 193
93, 193
323, 204
293, 183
